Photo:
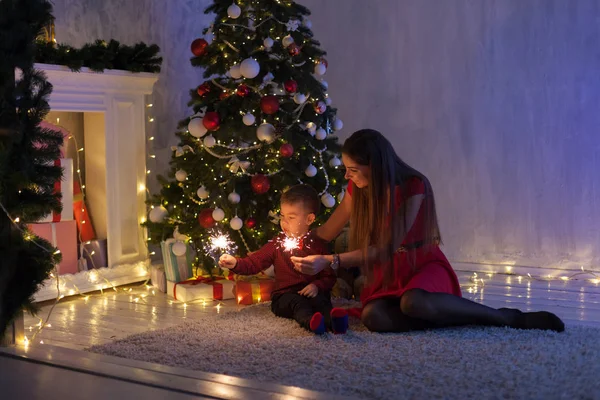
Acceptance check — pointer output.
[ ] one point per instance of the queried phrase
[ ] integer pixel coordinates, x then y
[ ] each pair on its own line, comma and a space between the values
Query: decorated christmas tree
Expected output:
262, 121
27, 154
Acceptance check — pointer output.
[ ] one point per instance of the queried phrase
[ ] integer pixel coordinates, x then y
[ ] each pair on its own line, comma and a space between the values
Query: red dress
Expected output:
433, 271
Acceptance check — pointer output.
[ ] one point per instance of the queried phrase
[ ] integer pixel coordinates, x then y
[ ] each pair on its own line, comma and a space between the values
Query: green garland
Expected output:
100, 55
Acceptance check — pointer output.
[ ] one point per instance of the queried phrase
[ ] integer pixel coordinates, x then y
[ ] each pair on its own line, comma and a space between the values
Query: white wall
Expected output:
496, 101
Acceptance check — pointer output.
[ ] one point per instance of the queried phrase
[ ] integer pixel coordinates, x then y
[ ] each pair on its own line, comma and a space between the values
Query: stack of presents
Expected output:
176, 278
71, 231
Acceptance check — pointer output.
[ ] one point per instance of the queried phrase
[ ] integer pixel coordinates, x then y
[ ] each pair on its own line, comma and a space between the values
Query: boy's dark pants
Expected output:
301, 308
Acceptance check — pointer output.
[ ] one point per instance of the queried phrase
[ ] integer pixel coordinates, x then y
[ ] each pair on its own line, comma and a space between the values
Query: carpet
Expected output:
457, 363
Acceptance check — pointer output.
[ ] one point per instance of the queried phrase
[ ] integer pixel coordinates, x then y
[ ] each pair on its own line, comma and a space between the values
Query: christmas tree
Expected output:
261, 122
27, 153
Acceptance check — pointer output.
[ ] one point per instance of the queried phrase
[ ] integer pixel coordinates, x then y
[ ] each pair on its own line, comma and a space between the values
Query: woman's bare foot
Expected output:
533, 320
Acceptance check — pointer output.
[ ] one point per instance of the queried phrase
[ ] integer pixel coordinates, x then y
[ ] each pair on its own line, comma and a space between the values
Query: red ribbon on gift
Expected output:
217, 287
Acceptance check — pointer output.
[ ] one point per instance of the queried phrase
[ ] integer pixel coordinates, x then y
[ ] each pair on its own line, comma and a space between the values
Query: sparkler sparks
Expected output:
290, 244
219, 244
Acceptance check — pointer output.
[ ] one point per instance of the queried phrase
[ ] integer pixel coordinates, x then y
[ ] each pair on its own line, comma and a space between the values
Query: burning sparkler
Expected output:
218, 244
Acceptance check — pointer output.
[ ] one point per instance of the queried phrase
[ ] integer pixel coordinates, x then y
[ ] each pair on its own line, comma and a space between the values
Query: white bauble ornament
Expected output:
234, 11
209, 141
325, 84
307, 24
265, 132
311, 127
158, 214
287, 41
235, 72
233, 198
320, 69
338, 124
268, 43
236, 223
335, 162
328, 101
249, 119
320, 107
218, 214
249, 68
321, 134
328, 200
179, 249
180, 175
197, 128
203, 193
310, 171
299, 98
340, 196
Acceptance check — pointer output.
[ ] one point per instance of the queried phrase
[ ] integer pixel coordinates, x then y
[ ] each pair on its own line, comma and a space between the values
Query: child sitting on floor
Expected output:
304, 298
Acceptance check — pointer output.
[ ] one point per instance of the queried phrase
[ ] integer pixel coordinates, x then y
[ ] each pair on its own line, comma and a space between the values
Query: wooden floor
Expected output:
82, 321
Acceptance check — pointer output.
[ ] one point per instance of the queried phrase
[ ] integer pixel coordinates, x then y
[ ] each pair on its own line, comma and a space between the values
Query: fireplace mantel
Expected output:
119, 96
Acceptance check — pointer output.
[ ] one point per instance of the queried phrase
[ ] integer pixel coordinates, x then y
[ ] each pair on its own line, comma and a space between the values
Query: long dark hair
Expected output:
370, 221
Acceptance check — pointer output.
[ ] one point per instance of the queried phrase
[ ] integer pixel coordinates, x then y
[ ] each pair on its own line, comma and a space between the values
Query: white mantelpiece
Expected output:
119, 144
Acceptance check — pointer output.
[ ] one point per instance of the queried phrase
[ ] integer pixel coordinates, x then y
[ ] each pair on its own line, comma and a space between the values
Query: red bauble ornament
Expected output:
269, 104
286, 150
211, 121
291, 86
203, 89
250, 223
242, 91
224, 95
260, 184
199, 47
294, 49
205, 218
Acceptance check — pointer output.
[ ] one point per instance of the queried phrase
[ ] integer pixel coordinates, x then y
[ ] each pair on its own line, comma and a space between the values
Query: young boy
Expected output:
304, 298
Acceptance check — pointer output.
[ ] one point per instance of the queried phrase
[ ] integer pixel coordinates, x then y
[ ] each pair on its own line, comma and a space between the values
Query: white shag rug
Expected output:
458, 363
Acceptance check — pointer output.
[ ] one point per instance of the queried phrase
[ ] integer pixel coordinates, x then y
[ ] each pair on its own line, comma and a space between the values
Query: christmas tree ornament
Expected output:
236, 223
248, 119
324, 62
338, 124
250, 68
178, 236
328, 200
233, 198
306, 23
286, 150
209, 141
293, 49
158, 215
234, 11
197, 128
218, 214
203, 193
199, 47
291, 86
224, 94
287, 41
242, 91
320, 107
236, 165
203, 89
268, 43
335, 162
311, 127
321, 134
260, 184
179, 249
181, 175
320, 69
211, 121
328, 100
235, 72
265, 132
340, 196
250, 223
269, 104
299, 98
205, 218
310, 171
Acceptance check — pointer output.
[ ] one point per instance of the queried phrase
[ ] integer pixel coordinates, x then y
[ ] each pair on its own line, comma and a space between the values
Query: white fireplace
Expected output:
114, 113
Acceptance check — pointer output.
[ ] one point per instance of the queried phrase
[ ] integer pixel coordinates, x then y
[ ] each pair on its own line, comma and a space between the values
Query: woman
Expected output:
395, 234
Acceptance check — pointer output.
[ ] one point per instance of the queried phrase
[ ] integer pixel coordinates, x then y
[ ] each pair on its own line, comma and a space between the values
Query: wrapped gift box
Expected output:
254, 291
94, 253
158, 278
177, 268
62, 235
65, 187
80, 212
201, 288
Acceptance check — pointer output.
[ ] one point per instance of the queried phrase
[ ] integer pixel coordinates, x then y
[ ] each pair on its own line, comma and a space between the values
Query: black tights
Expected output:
418, 309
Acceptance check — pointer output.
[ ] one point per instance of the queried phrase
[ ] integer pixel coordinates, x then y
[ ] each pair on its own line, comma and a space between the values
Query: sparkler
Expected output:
290, 243
218, 244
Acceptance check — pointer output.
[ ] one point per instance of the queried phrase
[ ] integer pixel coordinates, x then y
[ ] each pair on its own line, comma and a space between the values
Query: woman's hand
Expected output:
227, 262
311, 290
310, 265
